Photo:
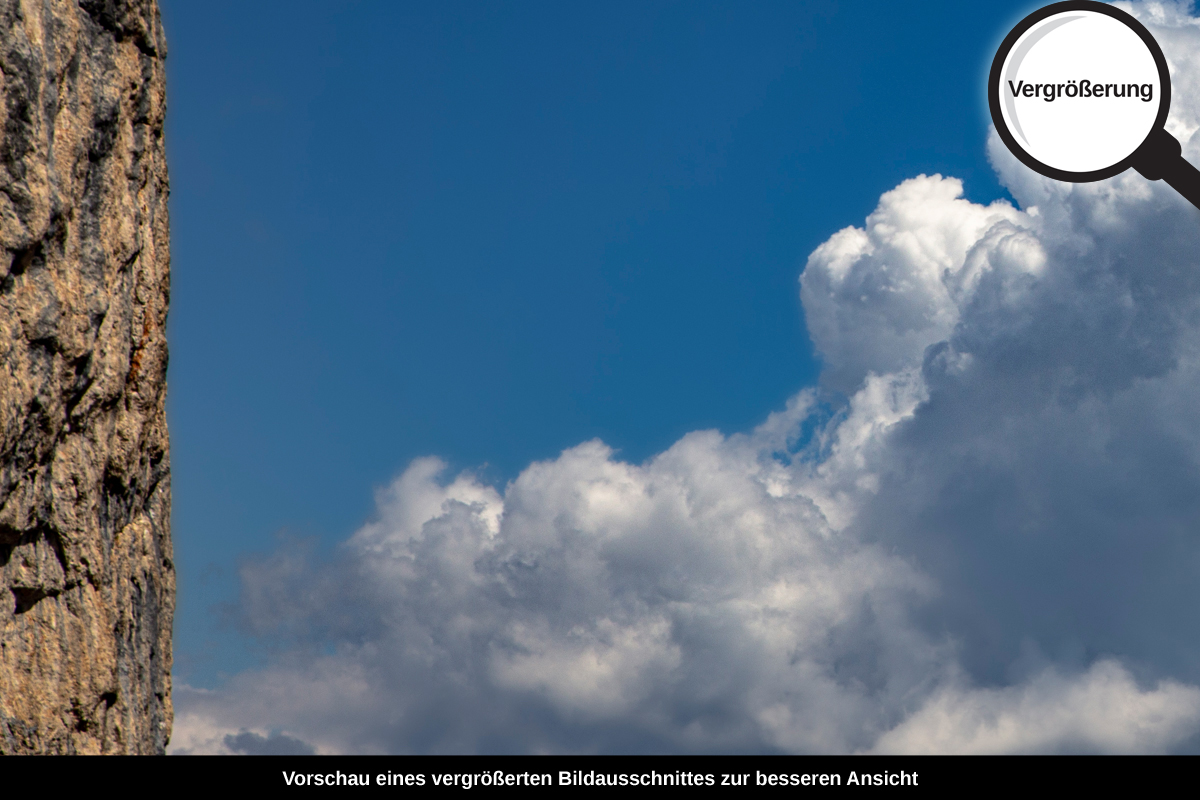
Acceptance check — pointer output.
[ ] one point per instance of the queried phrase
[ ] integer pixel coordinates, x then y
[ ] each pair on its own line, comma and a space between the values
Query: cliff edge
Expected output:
87, 583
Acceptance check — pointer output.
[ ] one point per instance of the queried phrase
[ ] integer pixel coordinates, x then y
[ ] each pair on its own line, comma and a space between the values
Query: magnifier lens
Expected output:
1079, 90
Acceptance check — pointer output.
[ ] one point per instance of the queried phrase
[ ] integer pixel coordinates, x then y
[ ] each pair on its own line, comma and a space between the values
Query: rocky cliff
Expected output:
87, 583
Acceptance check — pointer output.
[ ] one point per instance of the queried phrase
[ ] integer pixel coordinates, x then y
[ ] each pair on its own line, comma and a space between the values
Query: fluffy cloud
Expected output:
1102, 710
979, 534
694, 602
874, 299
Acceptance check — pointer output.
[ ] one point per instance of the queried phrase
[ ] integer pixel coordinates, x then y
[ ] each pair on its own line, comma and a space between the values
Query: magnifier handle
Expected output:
1161, 158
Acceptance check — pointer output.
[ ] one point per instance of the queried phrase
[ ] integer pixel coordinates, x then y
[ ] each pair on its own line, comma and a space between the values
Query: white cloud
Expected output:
990, 546
874, 299
1102, 710
693, 603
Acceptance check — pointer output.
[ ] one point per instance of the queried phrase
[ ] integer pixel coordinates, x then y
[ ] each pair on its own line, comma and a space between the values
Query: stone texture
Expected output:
87, 584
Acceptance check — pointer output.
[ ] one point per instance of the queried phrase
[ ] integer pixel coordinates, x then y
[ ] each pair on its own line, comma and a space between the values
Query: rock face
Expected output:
87, 584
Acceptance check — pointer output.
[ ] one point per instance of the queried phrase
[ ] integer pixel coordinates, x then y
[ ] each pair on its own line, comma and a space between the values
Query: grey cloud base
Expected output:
990, 545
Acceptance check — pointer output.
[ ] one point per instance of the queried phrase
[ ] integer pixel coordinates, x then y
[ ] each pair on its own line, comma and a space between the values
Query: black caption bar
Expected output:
549, 776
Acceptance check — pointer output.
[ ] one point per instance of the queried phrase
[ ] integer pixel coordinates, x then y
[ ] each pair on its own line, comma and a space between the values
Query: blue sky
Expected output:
501, 422
489, 232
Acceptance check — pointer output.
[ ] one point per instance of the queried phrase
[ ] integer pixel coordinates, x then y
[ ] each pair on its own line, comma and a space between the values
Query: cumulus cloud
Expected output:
693, 602
981, 533
875, 298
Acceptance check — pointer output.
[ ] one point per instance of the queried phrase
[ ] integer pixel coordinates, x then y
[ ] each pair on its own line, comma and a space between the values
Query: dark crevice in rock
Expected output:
26, 597
81, 367
59, 551
109, 15
23, 258
105, 134
82, 723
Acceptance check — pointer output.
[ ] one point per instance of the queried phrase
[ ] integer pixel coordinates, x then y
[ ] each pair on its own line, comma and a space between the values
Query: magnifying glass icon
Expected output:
1079, 91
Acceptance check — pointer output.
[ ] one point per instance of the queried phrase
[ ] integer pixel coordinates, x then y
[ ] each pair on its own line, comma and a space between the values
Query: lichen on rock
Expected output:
87, 582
